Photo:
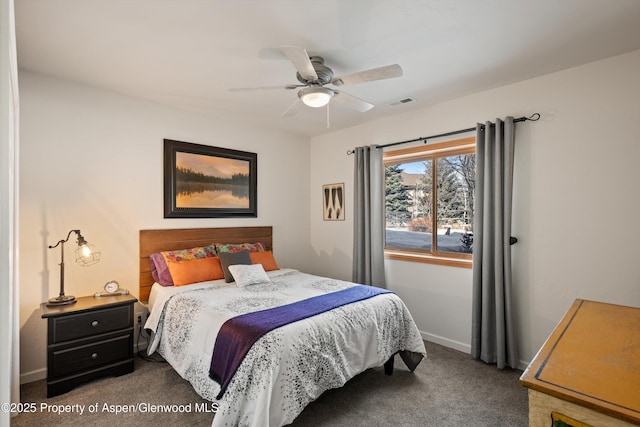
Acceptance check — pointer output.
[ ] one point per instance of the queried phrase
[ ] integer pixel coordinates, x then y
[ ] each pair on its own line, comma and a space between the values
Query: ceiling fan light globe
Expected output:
316, 100
315, 96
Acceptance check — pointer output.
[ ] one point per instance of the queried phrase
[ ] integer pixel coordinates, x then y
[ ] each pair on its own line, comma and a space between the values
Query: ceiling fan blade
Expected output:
293, 109
300, 59
381, 73
245, 89
359, 104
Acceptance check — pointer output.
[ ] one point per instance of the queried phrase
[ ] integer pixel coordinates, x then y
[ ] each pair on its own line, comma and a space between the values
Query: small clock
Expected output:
111, 287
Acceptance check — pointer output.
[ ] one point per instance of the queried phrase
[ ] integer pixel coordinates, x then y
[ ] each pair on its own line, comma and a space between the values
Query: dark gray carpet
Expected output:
447, 389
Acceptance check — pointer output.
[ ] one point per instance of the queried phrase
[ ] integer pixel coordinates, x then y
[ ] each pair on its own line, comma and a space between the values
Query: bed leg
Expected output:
388, 366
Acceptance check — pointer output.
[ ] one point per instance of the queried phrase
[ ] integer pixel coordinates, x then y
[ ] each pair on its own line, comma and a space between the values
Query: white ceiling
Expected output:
187, 53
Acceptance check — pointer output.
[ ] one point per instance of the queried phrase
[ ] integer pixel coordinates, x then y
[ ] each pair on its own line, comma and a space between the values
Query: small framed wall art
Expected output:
333, 202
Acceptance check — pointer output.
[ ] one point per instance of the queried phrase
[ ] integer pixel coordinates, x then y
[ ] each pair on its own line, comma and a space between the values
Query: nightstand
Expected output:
587, 372
89, 339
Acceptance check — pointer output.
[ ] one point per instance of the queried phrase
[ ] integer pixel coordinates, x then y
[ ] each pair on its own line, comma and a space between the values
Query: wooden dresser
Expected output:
89, 339
588, 371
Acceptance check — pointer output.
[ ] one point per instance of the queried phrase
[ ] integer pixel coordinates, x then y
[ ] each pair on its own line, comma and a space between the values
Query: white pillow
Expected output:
248, 274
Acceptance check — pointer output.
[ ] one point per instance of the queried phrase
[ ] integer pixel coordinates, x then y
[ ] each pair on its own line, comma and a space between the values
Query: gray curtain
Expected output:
368, 217
493, 336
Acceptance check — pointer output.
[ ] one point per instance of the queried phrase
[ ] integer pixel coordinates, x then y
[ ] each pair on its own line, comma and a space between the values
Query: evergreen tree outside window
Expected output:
397, 199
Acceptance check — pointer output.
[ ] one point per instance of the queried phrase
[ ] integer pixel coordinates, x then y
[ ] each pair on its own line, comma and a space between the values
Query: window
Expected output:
429, 193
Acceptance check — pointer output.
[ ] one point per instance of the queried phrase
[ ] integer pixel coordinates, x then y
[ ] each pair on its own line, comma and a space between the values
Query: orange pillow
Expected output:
195, 270
265, 258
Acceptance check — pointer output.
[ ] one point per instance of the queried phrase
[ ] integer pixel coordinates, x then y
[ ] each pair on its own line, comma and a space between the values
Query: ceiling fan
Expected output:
314, 75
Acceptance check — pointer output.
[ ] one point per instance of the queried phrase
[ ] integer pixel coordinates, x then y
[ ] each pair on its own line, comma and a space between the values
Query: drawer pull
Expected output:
94, 323
94, 356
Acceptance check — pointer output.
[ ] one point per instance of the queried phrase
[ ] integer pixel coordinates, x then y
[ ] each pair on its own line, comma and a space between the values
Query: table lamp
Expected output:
86, 255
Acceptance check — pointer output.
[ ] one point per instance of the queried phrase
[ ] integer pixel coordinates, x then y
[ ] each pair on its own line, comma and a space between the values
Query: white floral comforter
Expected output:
289, 367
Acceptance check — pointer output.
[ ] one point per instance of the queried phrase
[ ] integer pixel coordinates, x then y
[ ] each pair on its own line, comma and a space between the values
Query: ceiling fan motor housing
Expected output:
325, 74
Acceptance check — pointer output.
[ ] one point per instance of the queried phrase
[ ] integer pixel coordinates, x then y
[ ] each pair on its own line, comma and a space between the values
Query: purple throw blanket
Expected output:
238, 334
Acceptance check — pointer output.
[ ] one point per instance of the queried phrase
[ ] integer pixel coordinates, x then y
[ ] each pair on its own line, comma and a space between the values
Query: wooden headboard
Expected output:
152, 241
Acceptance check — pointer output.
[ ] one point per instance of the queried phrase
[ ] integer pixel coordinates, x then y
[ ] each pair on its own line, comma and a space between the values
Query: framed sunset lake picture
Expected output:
201, 181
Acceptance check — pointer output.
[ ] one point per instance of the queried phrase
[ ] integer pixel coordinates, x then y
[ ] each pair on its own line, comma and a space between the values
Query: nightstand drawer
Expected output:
91, 323
76, 359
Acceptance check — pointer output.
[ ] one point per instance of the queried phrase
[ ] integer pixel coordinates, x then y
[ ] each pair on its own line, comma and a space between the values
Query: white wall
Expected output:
575, 199
92, 160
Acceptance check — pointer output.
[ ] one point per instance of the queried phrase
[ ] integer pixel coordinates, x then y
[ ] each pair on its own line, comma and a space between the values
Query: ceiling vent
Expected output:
402, 101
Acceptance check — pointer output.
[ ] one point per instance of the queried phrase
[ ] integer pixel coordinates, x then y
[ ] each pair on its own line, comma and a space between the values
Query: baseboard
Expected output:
456, 345
36, 375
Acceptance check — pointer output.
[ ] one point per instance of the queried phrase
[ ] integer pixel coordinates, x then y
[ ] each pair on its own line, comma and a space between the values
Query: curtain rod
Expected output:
534, 118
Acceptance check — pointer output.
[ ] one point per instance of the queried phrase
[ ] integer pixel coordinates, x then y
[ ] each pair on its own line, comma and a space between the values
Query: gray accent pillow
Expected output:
233, 258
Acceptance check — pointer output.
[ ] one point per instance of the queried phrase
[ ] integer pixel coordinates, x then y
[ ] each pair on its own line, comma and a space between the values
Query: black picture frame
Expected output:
192, 191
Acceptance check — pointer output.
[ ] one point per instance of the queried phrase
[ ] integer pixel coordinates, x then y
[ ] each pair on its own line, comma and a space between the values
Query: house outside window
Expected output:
429, 202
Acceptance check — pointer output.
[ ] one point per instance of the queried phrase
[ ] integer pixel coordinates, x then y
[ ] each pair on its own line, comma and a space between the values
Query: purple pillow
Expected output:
160, 270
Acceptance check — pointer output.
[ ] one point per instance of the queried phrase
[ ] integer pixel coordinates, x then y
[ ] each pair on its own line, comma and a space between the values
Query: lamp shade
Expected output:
86, 254
315, 96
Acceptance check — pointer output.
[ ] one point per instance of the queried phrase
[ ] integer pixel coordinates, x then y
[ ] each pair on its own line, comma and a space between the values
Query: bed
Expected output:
269, 379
